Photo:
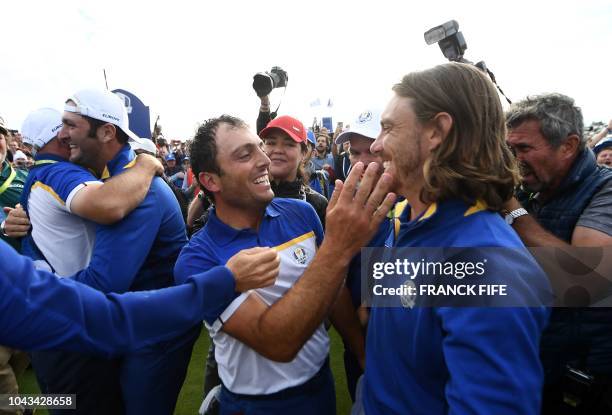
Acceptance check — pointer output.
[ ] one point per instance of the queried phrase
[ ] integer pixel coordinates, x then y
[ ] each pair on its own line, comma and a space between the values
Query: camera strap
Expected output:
275, 112
483, 67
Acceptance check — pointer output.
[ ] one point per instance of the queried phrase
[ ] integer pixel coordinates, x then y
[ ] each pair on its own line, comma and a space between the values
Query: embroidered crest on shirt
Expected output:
300, 255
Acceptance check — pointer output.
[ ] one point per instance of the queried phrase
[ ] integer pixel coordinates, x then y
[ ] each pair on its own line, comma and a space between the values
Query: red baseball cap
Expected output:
294, 128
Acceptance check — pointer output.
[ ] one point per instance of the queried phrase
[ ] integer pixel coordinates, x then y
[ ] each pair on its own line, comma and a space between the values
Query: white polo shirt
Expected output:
66, 240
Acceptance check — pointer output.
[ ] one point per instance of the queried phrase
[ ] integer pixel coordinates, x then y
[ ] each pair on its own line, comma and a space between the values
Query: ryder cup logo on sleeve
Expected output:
300, 256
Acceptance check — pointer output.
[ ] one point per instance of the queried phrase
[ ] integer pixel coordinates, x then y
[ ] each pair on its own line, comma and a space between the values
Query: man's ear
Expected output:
569, 147
440, 127
210, 181
106, 132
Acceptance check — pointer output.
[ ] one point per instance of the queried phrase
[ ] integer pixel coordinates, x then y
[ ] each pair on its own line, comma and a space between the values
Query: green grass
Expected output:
191, 394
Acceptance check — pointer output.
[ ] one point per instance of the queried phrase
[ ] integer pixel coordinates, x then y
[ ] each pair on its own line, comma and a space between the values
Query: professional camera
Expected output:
453, 46
265, 82
450, 40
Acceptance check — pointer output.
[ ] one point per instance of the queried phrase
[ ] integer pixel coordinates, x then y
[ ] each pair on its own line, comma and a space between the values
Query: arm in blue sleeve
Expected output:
196, 260
493, 361
121, 249
40, 311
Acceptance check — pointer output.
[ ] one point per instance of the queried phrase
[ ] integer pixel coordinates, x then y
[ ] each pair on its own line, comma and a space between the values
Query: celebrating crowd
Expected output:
109, 293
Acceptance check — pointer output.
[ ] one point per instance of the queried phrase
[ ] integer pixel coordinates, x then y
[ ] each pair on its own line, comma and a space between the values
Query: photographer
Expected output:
263, 84
318, 179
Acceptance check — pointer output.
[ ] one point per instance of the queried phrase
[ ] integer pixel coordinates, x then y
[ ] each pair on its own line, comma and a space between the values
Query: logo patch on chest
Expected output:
300, 255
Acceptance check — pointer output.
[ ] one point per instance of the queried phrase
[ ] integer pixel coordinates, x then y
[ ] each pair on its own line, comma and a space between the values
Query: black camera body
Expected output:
265, 82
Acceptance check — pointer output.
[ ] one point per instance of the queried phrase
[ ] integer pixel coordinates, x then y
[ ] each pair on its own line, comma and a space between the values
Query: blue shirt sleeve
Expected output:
197, 258
65, 177
39, 311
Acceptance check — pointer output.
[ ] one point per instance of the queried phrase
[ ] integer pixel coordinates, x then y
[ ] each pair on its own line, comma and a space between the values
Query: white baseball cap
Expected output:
367, 124
104, 106
146, 145
19, 155
41, 126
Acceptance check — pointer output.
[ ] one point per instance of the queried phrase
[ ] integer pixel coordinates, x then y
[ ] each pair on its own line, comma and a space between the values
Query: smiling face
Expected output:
401, 146
244, 182
285, 155
84, 148
542, 166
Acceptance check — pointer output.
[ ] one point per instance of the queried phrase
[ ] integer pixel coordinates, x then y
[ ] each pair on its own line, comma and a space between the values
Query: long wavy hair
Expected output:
473, 162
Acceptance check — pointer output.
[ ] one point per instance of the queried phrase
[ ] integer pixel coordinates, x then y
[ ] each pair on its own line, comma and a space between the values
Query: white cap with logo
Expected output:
41, 126
366, 125
104, 106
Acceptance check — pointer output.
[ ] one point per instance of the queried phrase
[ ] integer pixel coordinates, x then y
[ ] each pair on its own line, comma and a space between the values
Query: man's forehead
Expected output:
526, 130
396, 109
229, 138
360, 141
71, 116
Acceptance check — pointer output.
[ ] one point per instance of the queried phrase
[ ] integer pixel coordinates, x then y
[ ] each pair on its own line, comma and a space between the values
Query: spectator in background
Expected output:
162, 146
11, 185
323, 159
285, 143
318, 180
596, 138
565, 200
174, 172
20, 160
12, 362
342, 161
603, 151
14, 142
190, 185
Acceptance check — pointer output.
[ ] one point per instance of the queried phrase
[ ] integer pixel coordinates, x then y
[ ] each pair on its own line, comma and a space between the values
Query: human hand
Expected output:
150, 164
357, 208
16, 224
254, 268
